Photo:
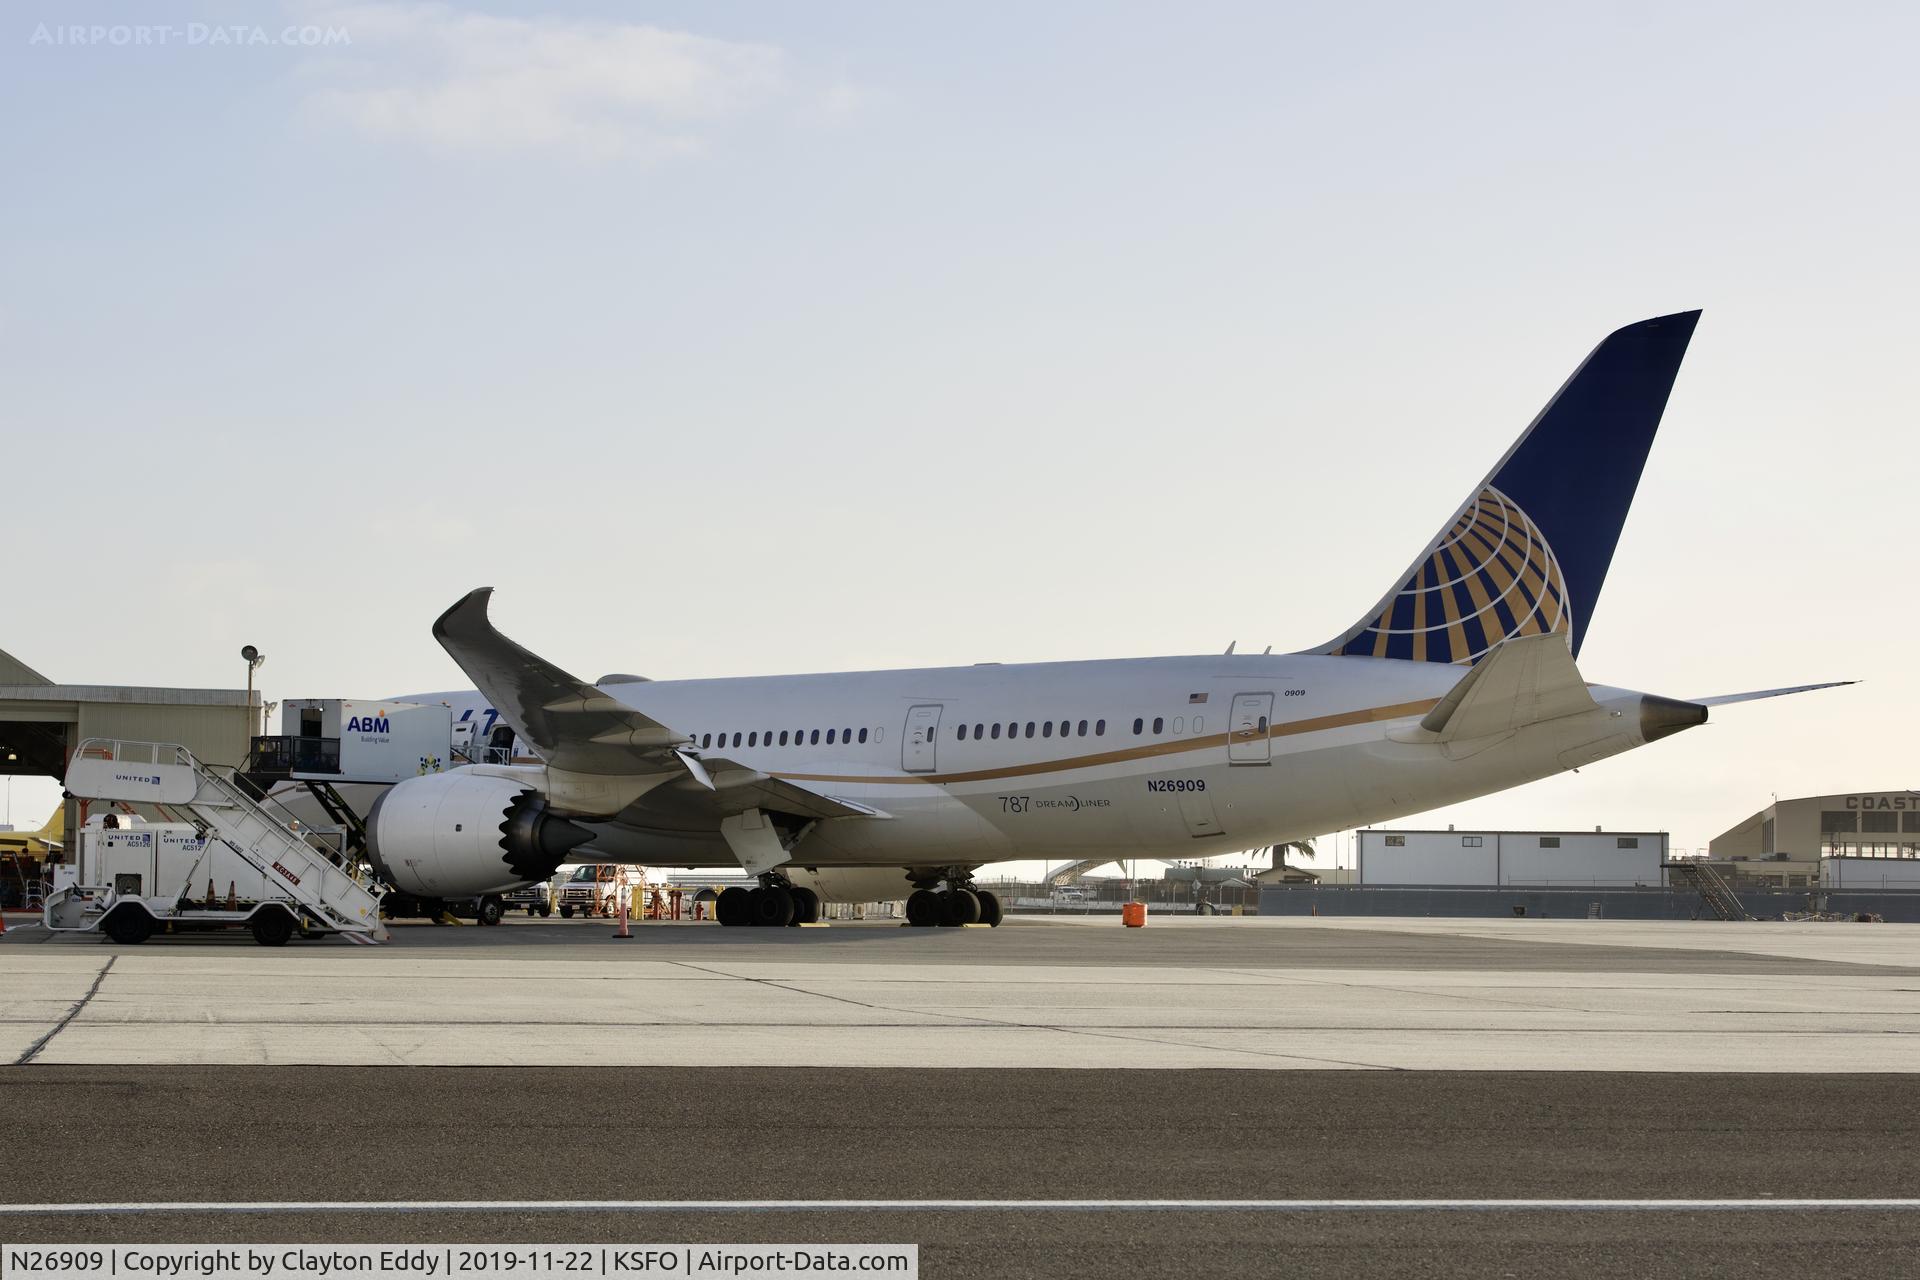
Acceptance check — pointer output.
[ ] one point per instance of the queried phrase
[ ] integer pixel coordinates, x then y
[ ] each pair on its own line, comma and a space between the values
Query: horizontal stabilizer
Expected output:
1522, 681
1758, 694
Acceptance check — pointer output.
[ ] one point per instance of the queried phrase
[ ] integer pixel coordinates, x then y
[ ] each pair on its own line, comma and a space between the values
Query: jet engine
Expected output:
462, 834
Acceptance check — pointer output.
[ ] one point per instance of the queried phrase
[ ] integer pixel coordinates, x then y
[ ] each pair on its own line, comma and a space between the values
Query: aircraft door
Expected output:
920, 742
1248, 739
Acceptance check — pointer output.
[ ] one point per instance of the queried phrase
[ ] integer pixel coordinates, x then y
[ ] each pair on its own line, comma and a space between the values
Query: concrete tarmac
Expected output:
259, 1134
1045, 1060
1182, 994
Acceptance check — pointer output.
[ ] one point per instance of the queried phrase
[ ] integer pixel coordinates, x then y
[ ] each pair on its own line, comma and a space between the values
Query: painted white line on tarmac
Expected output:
962, 1206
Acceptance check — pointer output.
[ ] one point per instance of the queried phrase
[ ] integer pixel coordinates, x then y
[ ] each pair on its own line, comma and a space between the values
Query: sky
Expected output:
745, 338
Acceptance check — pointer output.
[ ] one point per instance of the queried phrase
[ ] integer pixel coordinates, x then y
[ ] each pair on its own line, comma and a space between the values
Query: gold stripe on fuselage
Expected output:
1315, 724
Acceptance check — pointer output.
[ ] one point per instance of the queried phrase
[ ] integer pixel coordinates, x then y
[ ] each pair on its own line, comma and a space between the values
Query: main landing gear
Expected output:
960, 903
775, 904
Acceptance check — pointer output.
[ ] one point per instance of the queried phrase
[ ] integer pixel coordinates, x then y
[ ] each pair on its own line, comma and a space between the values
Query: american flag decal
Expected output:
1196, 697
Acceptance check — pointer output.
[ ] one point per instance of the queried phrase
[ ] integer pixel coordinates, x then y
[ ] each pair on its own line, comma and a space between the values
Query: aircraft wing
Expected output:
1758, 694
577, 727
722, 787
573, 725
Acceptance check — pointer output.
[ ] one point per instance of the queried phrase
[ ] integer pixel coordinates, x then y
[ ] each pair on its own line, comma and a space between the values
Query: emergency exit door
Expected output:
1248, 738
921, 739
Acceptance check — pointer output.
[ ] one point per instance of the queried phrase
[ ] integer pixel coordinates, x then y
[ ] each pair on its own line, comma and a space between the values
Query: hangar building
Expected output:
1857, 824
42, 722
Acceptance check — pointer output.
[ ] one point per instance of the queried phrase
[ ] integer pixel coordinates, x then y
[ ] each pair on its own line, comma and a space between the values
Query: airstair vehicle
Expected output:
1714, 890
275, 877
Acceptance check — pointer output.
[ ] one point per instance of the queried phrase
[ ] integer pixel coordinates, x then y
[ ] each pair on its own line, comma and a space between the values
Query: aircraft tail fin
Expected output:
1527, 552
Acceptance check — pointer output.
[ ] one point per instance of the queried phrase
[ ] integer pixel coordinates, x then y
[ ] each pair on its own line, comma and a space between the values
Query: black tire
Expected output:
128, 926
271, 928
546, 909
958, 907
990, 912
566, 911
806, 907
772, 906
491, 910
734, 906
923, 908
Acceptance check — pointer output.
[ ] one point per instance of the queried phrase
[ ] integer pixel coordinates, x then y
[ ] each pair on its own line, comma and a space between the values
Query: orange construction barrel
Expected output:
1134, 915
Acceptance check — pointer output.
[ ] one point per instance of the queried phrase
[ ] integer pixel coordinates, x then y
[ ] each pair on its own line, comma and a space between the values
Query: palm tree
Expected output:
1303, 847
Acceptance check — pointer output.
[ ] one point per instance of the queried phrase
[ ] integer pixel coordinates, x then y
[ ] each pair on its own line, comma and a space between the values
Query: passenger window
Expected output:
1263, 724
829, 737
752, 738
960, 732
846, 735
1159, 724
1199, 724
783, 737
863, 735
1099, 728
1138, 724
1179, 724
1083, 729
1046, 729
996, 730
1029, 728
736, 739
979, 731
814, 737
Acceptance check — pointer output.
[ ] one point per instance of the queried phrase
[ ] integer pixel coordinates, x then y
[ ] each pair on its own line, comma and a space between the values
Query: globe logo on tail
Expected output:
1490, 576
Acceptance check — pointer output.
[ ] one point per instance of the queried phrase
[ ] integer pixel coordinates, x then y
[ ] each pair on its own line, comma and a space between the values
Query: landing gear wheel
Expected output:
923, 908
734, 906
128, 926
566, 911
958, 907
990, 913
272, 928
806, 906
771, 906
490, 910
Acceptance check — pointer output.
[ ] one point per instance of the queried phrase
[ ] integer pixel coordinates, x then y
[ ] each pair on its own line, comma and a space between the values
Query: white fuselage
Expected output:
1232, 753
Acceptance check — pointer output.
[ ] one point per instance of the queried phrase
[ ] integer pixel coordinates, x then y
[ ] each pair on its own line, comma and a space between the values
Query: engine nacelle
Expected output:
460, 834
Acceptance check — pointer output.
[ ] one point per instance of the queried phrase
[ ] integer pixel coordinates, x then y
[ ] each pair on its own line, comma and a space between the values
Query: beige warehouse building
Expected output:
1788, 838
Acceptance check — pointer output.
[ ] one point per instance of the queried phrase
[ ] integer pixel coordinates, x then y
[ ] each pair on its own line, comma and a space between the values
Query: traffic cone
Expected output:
210, 897
233, 902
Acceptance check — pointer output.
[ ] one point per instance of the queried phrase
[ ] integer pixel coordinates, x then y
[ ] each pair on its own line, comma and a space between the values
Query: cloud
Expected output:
430, 74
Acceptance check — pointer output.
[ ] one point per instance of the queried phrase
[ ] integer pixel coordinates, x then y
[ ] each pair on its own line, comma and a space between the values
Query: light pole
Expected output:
253, 658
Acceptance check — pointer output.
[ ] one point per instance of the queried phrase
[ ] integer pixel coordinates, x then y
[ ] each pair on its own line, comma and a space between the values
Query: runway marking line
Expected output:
1790, 1204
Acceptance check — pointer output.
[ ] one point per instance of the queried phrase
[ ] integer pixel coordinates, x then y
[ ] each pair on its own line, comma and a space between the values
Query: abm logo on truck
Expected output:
370, 724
